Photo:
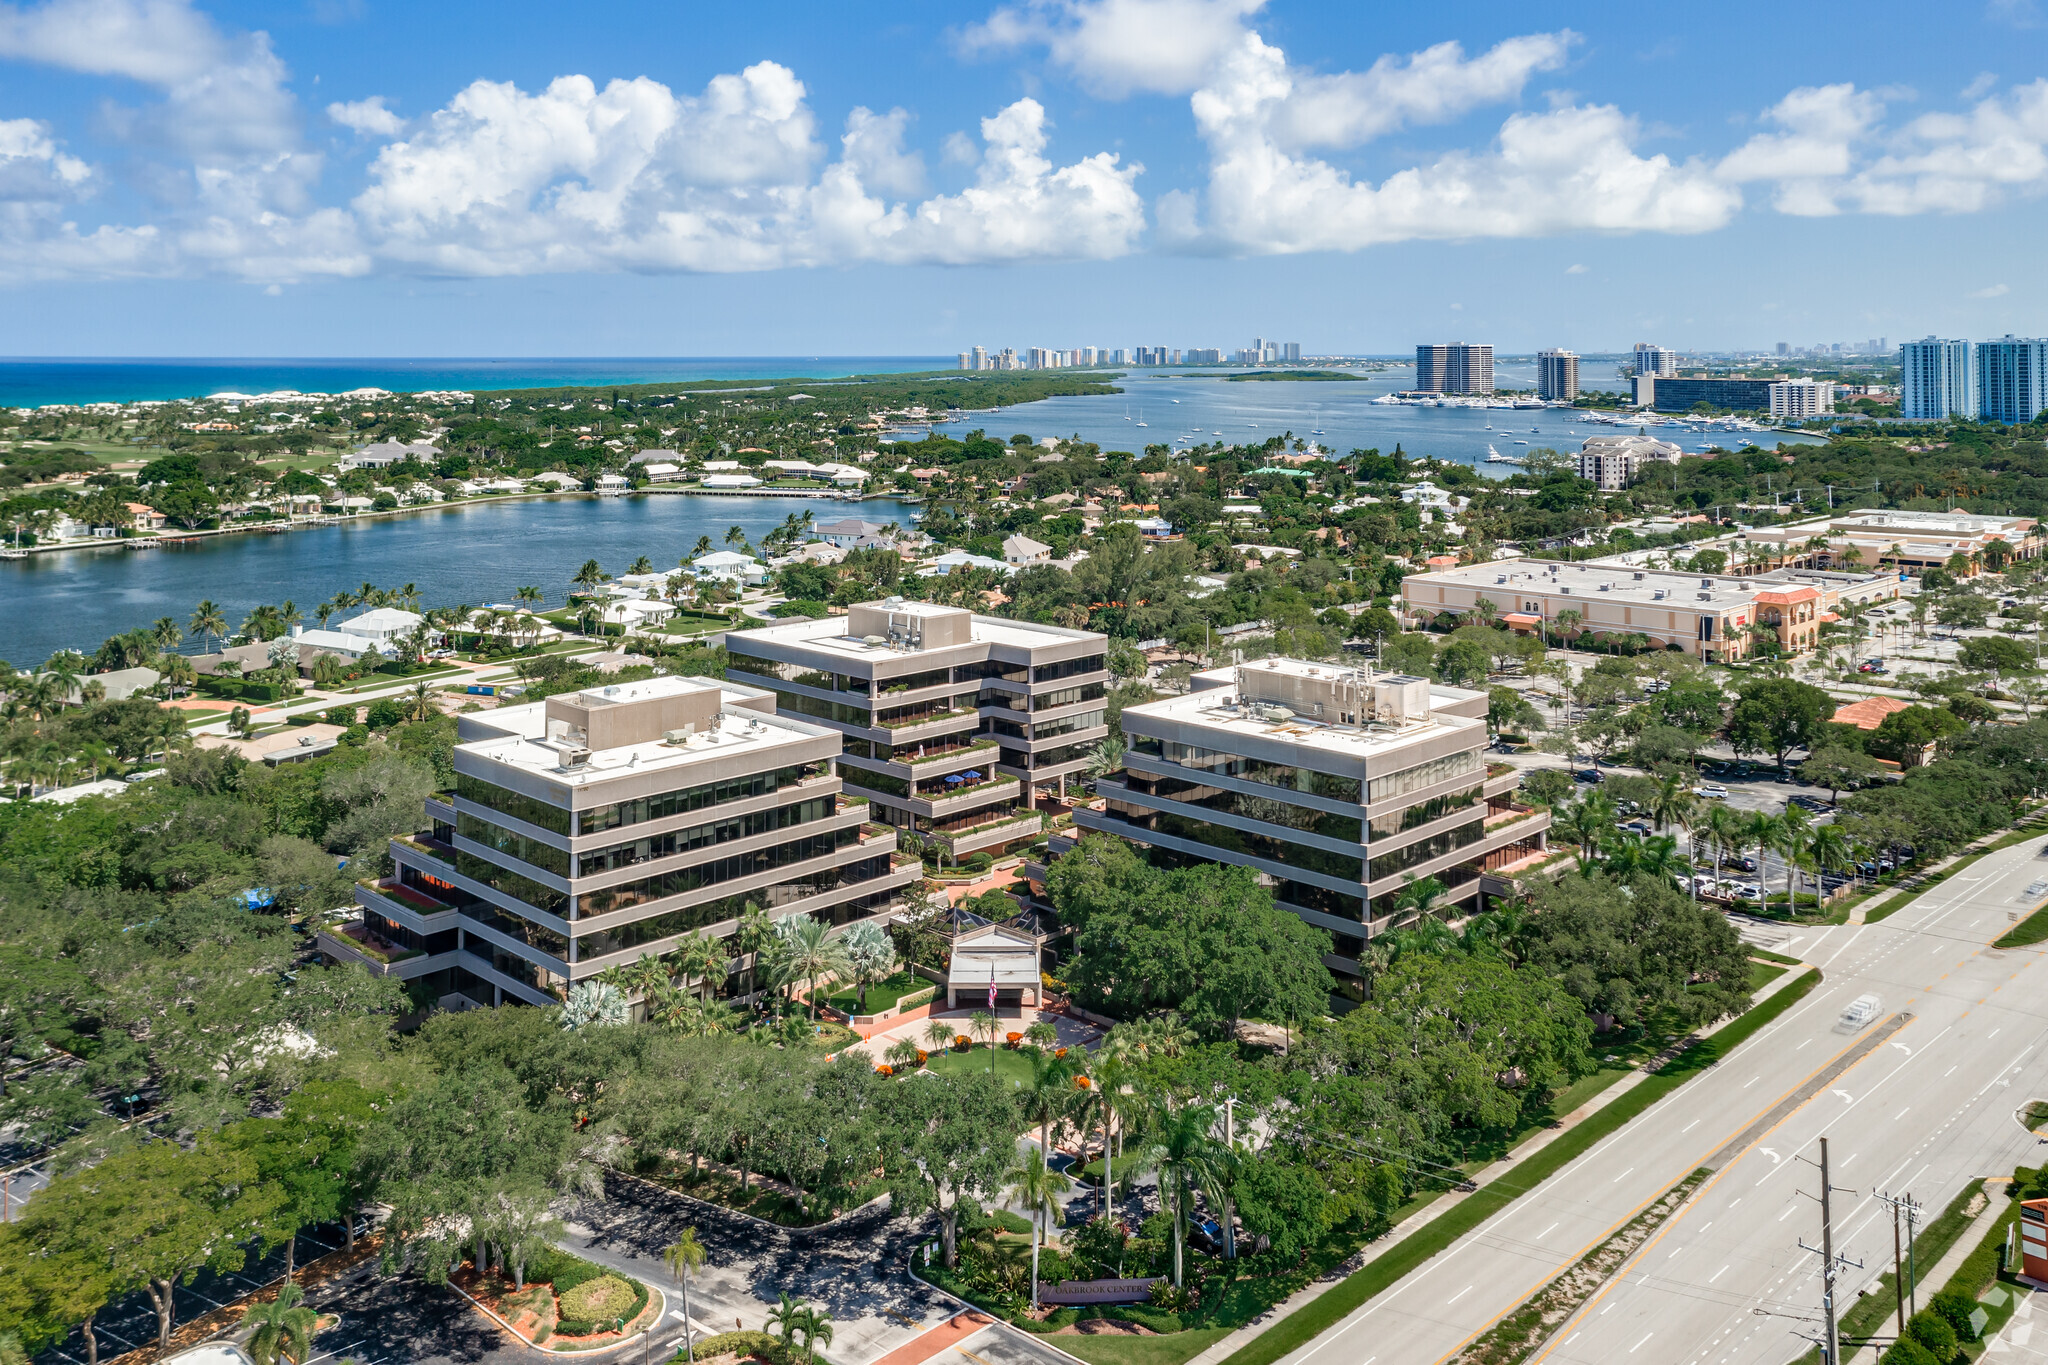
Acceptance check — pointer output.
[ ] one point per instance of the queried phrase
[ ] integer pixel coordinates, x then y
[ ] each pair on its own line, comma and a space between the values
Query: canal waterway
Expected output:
475, 553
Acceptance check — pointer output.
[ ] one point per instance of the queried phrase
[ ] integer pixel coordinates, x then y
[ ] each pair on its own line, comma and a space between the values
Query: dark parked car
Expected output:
1591, 775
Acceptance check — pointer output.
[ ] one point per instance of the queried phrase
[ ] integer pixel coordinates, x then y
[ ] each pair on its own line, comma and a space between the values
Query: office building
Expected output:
1612, 462
2012, 379
1337, 786
1454, 368
1557, 375
1897, 539
1796, 399
590, 828
1704, 615
1291, 352
954, 724
1655, 360
1784, 349
1201, 356
1683, 395
1938, 379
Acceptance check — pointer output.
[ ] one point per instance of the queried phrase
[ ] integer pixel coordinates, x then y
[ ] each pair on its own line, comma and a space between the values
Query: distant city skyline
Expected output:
222, 177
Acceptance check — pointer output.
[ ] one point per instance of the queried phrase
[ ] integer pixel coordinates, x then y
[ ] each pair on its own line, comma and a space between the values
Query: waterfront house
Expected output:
611, 483
657, 455
120, 684
343, 646
731, 567
145, 517
847, 531
383, 454
382, 625
1156, 528
635, 612
731, 481
348, 506
663, 473
555, 478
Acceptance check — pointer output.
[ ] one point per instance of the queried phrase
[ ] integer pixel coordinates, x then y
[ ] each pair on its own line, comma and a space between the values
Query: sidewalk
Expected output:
1531, 1145
1937, 1275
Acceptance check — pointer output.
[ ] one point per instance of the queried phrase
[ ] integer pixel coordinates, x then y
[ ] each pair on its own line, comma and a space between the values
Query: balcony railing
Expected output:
409, 895
1030, 818
871, 832
430, 848
946, 791
354, 937
1512, 816
898, 860
931, 755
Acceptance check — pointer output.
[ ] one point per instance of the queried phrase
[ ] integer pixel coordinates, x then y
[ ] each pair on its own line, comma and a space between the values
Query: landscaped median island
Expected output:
1517, 1336
565, 1303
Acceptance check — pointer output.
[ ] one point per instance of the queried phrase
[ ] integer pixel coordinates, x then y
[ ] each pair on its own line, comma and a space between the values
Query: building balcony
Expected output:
1514, 815
441, 806
1501, 778
938, 754
351, 942
1006, 828
413, 899
957, 797
426, 847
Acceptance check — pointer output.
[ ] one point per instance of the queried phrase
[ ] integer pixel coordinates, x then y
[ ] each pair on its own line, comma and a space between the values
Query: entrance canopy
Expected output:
994, 953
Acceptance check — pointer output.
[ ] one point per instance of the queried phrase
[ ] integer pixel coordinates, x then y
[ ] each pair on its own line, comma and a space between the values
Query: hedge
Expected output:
769, 1348
235, 689
573, 1327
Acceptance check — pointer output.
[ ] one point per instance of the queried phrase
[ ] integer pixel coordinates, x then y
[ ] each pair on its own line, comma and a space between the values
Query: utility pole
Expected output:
1830, 1263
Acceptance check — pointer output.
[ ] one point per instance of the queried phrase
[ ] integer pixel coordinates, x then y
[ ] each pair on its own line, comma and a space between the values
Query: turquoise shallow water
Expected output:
31, 382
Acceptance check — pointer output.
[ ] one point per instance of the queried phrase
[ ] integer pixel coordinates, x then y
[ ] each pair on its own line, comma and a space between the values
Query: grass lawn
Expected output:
881, 994
1872, 1315
1014, 1067
1762, 974
197, 718
1122, 1350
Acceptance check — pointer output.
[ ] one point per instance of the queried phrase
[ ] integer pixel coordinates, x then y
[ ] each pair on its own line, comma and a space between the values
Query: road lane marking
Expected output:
1752, 1080
1639, 1345
1718, 1274
1802, 1045
1902, 1113
1688, 1127
1546, 1232
1459, 1295
1617, 1180
1788, 1213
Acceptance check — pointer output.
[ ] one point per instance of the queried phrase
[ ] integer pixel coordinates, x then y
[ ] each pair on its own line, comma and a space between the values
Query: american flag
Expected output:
991, 986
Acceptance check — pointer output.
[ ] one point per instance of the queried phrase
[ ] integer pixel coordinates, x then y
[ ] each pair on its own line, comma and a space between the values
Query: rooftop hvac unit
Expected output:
576, 758
681, 736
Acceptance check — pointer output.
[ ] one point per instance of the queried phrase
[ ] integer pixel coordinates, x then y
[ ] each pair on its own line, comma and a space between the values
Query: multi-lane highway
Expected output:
1930, 1105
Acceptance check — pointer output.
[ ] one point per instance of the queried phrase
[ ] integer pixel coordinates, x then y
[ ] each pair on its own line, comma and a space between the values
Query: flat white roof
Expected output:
1206, 709
829, 633
1500, 580
740, 731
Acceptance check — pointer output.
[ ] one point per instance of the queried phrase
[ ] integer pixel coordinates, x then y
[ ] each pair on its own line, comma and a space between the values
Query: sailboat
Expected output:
1141, 417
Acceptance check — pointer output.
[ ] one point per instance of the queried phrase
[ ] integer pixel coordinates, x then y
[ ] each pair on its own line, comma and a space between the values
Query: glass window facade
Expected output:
1422, 812
1425, 775
525, 930
1238, 841
534, 812
724, 908
1265, 808
1319, 898
1067, 725
992, 668
804, 675
1067, 696
652, 846
819, 709
598, 819
1326, 785
911, 682
919, 713
678, 881
1067, 668
525, 890
544, 856
1422, 850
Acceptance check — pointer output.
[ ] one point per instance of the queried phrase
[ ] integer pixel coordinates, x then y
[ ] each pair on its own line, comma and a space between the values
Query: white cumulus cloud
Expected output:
367, 116
634, 176
1116, 47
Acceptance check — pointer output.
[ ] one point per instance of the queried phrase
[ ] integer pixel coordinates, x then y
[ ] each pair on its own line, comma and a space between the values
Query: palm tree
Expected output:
531, 596
751, 935
1049, 1095
1584, 822
1108, 1073
700, 549
65, 670
1724, 831
1829, 849
684, 1256
1761, 831
939, 1034
166, 633
816, 1329
786, 1319
641, 565
804, 951
1037, 1188
1180, 1150
1793, 827
1422, 895
871, 953
736, 536
284, 1328
590, 575
208, 621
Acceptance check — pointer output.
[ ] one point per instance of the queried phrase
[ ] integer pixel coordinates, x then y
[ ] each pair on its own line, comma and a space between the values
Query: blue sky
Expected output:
358, 177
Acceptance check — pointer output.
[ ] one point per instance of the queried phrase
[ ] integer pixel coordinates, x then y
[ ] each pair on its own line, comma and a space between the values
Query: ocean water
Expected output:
27, 382
474, 553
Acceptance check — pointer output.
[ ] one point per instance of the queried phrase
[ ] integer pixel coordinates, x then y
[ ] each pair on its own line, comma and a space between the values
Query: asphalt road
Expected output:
1929, 1108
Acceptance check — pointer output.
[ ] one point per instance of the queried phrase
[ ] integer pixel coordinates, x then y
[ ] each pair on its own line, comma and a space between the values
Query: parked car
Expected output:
1656, 685
1591, 775
1745, 891
1745, 862
1711, 791
1641, 827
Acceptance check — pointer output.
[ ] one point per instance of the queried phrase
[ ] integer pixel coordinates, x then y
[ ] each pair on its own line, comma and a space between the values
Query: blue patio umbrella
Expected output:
953, 779
971, 775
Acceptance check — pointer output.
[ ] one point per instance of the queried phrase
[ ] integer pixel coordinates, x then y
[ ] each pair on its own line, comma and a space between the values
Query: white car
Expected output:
1744, 891
1860, 1012
1712, 791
